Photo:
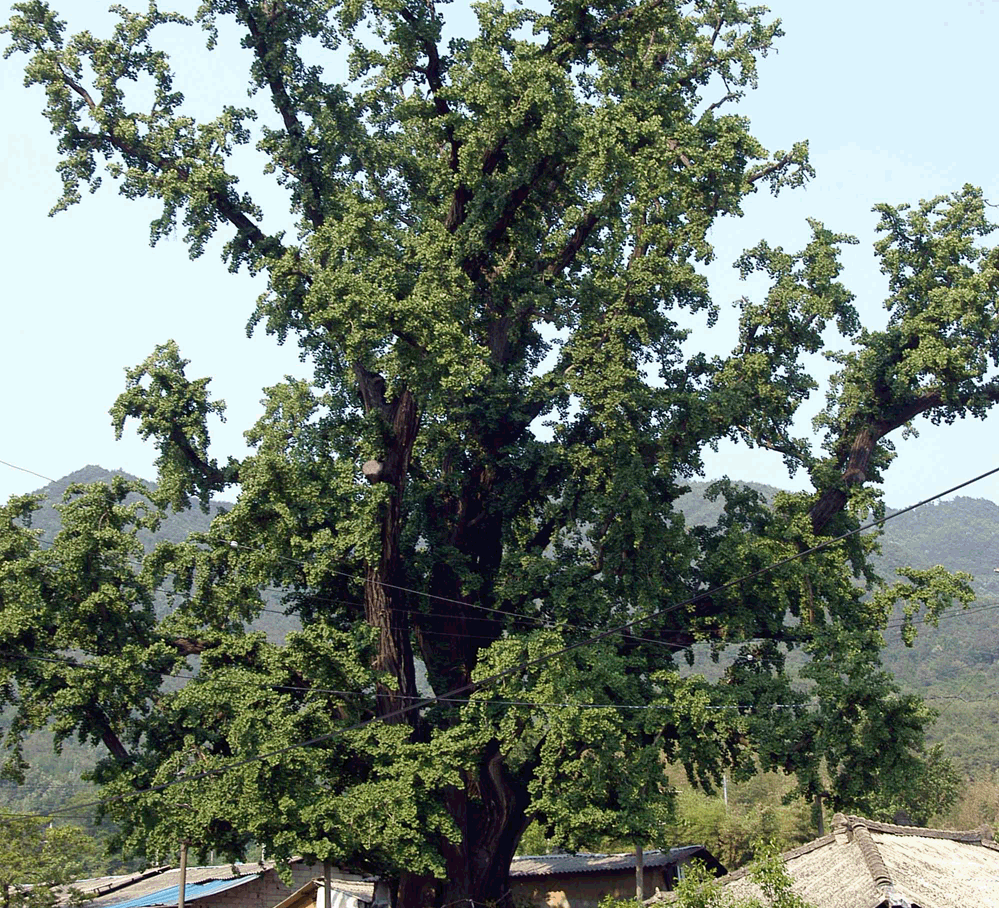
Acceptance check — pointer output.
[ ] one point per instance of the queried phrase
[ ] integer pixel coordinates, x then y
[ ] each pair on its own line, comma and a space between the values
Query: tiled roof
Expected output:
553, 864
866, 864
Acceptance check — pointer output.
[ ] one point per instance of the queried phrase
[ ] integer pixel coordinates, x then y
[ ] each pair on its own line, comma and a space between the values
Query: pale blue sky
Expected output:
897, 99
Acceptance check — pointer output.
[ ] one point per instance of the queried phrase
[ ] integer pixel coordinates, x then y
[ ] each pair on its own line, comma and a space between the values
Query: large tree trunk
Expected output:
385, 606
491, 815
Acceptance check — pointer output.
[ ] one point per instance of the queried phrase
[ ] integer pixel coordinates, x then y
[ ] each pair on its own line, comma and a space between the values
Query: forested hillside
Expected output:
953, 666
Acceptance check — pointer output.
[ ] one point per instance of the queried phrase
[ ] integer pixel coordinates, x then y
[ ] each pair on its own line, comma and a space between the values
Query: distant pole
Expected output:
820, 822
639, 873
327, 873
725, 790
183, 875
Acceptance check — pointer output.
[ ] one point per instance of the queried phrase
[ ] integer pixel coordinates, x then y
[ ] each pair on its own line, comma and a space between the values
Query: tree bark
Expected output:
490, 812
385, 606
854, 473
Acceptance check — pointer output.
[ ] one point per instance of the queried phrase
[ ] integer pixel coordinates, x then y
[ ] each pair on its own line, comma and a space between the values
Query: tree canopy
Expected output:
493, 271
37, 858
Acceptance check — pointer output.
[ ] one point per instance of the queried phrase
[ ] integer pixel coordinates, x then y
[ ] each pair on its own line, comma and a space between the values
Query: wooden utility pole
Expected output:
639, 873
327, 873
183, 875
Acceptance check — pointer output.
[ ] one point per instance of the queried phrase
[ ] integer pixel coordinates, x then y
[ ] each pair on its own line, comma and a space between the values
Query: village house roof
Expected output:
154, 886
866, 864
343, 894
554, 864
159, 886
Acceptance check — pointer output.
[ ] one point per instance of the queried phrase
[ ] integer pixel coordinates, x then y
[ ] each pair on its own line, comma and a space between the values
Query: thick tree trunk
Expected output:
491, 815
385, 606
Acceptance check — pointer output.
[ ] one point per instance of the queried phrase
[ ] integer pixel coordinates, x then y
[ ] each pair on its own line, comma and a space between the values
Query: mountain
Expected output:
174, 528
954, 666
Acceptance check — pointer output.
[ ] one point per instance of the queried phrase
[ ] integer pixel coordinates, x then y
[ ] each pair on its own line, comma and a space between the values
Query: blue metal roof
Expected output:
192, 891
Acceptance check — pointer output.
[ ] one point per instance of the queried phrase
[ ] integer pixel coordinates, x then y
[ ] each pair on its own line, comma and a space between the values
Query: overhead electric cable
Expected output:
475, 686
14, 466
540, 622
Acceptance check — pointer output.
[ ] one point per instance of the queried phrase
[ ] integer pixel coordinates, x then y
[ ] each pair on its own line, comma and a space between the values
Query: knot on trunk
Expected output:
373, 471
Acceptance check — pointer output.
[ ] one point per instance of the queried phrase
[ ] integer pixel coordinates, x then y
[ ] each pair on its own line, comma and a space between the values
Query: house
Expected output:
865, 864
223, 886
583, 880
369, 893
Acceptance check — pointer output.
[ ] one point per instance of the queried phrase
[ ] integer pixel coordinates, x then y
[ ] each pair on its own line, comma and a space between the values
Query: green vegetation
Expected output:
699, 889
493, 271
37, 857
936, 664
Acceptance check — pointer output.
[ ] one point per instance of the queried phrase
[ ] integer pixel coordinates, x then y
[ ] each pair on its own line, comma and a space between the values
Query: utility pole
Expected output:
183, 875
327, 873
639, 873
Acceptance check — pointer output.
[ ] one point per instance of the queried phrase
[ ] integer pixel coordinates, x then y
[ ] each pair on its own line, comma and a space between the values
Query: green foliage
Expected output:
698, 887
492, 232
757, 811
770, 874
37, 856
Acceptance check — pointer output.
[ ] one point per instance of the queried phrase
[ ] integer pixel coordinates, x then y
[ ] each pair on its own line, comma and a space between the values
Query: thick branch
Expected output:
772, 167
215, 477
284, 106
865, 438
98, 719
188, 647
515, 200
575, 242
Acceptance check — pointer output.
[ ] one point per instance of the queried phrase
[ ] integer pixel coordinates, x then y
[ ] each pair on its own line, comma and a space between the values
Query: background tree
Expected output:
493, 271
38, 857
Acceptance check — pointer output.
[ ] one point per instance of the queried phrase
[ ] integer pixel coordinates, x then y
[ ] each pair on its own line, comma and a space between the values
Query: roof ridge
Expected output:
589, 862
872, 857
972, 836
592, 854
123, 881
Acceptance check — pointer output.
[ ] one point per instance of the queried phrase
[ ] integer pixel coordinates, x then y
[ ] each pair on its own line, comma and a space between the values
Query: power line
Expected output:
536, 620
264, 685
14, 466
540, 622
473, 687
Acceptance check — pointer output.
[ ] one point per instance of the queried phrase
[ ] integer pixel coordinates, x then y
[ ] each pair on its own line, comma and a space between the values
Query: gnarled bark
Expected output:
491, 814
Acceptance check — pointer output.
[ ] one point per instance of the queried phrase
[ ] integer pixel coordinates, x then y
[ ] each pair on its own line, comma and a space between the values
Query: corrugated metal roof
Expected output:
113, 890
553, 864
192, 892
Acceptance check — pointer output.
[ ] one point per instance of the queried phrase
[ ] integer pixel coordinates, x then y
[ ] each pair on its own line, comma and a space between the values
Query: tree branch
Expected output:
223, 205
773, 167
284, 106
857, 457
575, 242
515, 200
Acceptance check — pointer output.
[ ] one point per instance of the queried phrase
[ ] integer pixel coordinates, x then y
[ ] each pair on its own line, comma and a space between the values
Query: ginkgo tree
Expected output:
494, 269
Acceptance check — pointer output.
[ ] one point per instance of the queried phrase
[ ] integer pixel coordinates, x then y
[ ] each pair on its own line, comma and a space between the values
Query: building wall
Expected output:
263, 892
584, 890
